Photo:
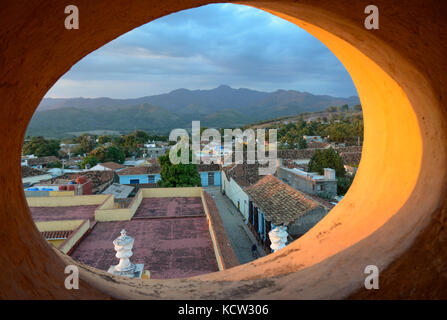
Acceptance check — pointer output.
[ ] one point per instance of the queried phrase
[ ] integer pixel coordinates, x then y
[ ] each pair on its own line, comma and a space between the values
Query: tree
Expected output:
110, 153
104, 139
327, 158
302, 144
89, 160
178, 175
86, 144
129, 143
332, 109
343, 184
141, 136
55, 164
41, 147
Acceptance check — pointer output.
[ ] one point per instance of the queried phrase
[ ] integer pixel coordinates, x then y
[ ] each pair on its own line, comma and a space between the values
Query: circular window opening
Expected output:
385, 209
96, 169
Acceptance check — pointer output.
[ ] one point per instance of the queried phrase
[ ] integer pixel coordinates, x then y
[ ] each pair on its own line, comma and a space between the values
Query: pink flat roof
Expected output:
169, 248
170, 207
63, 213
176, 245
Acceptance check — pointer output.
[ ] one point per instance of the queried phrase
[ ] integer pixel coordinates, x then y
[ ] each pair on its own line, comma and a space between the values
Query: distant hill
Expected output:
220, 107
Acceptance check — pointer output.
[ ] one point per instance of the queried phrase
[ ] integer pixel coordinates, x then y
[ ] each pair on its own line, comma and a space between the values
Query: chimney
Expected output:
329, 173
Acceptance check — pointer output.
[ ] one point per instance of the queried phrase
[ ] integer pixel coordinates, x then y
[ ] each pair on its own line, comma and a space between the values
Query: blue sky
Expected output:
202, 48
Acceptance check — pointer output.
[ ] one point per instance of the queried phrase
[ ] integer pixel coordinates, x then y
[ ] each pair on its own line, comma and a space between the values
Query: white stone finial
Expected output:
278, 238
123, 247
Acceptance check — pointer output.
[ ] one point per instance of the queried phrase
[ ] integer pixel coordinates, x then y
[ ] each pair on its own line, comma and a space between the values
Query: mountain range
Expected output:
222, 107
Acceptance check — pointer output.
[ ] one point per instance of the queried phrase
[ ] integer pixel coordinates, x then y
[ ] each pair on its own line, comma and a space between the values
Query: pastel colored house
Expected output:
139, 175
209, 174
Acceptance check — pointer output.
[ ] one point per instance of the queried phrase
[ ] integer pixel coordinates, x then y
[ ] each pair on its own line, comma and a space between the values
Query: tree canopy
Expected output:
327, 158
90, 160
41, 147
178, 175
110, 153
86, 144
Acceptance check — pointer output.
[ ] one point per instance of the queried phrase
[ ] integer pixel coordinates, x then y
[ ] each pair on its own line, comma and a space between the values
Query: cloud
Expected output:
204, 47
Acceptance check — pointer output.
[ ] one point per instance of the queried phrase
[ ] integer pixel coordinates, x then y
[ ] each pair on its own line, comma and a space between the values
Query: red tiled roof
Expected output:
317, 145
112, 165
139, 170
280, 203
31, 172
42, 160
351, 158
244, 174
99, 178
50, 235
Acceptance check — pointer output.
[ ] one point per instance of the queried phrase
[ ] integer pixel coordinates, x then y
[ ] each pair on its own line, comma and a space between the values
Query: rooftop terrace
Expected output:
176, 235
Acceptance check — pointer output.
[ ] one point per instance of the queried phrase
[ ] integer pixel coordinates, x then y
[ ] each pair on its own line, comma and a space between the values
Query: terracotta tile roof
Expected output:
112, 165
31, 172
327, 204
317, 145
349, 149
280, 203
244, 174
351, 158
56, 234
98, 178
139, 170
42, 160
295, 154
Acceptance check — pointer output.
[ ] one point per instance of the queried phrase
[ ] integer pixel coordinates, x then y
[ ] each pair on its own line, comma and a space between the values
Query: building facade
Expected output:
209, 174
310, 182
139, 175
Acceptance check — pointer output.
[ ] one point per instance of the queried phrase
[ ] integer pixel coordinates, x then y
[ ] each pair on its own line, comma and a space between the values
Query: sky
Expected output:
205, 47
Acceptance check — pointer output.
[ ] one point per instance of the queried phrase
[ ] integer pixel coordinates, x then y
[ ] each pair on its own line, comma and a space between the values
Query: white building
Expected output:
107, 166
235, 178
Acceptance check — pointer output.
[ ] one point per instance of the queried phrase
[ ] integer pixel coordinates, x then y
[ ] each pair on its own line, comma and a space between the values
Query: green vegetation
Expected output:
327, 158
89, 160
178, 175
110, 153
343, 184
86, 144
347, 130
55, 164
41, 147
131, 144
104, 139
220, 107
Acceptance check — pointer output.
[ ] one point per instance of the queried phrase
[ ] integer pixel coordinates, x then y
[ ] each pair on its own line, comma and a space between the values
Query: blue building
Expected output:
139, 175
209, 174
